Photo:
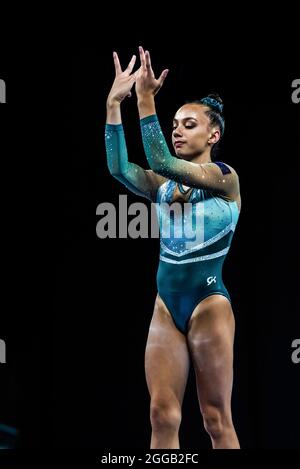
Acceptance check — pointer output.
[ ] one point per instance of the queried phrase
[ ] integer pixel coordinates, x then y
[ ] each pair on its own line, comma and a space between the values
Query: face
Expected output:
192, 133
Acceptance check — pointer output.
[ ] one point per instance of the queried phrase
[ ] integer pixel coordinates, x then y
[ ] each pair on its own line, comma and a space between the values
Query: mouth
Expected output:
178, 144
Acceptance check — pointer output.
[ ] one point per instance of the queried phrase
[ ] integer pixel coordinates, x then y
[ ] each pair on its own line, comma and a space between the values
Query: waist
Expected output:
186, 276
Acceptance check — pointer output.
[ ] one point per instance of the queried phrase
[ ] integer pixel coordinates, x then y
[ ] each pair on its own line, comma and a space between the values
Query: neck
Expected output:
202, 158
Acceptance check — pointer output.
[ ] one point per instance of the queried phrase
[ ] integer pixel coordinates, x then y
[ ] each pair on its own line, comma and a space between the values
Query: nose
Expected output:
177, 132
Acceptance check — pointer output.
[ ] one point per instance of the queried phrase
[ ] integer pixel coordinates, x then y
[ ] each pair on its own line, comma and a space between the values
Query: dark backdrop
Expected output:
106, 288
81, 338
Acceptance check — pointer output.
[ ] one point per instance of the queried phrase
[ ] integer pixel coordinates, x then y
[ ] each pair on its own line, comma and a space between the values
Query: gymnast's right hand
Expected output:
123, 81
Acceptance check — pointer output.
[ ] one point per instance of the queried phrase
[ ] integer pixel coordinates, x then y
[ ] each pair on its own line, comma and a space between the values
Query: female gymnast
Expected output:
193, 321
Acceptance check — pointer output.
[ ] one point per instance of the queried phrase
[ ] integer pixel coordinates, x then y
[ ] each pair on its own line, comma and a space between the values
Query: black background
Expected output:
78, 308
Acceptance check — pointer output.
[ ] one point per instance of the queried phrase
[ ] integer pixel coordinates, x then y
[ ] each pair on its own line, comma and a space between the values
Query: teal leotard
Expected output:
194, 237
190, 267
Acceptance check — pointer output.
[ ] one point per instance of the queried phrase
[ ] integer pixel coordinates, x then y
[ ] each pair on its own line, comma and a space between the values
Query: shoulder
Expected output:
230, 180
225, 168
228, 173
220, 168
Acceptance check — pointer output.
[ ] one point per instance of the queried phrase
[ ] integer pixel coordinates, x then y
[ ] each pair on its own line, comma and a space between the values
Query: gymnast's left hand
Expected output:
146, 84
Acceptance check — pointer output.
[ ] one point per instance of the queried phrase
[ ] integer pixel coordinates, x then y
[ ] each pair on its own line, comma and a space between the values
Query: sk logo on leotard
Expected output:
211, 280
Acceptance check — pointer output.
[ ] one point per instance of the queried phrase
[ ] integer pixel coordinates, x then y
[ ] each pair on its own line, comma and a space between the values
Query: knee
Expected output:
215, 422
165, 415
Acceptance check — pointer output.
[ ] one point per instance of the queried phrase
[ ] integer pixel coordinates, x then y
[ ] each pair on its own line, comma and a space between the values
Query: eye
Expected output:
189, 125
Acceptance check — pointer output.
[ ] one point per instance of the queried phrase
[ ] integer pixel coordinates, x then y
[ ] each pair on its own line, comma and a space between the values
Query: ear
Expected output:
214, 136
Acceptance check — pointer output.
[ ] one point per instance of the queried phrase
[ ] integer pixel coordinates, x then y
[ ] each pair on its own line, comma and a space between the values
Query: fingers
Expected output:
147, 59
131, 65
118, 68
163, 77
142, 58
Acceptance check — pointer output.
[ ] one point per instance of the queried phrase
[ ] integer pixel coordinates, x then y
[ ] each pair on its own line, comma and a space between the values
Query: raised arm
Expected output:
142, 182
210, 176
220, 179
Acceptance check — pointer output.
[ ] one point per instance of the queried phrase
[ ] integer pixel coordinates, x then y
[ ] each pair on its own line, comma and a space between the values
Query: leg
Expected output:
210, 339
167, 367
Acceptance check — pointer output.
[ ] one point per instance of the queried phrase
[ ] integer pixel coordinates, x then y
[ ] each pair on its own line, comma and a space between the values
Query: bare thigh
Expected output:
166, 356
210, 339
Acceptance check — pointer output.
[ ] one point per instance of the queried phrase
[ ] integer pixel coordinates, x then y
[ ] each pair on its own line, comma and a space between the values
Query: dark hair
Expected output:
215, 113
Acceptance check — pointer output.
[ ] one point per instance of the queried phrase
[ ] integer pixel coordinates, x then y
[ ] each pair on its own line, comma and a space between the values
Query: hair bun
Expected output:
213, 101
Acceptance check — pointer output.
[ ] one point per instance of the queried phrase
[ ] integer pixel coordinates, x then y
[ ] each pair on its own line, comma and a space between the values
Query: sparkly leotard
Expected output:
194, 237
